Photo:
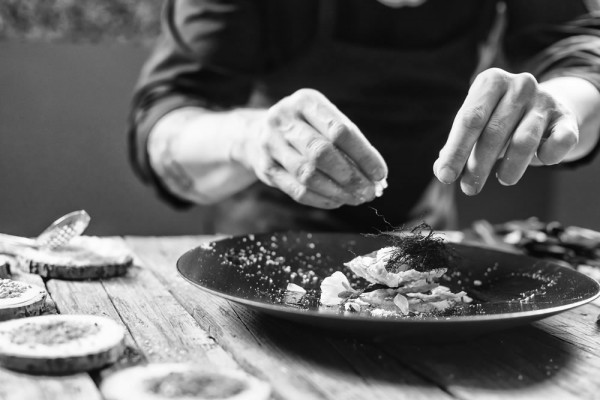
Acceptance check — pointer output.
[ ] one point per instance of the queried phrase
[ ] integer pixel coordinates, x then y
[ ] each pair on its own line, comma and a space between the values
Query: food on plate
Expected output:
182, 381
18, 299
401, 279
60, 344
85, 257
293, 293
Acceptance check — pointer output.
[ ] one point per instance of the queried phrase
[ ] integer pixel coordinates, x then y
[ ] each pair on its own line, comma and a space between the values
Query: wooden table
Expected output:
168, 319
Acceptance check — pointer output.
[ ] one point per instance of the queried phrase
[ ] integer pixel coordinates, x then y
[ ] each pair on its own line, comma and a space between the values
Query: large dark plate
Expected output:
508, 289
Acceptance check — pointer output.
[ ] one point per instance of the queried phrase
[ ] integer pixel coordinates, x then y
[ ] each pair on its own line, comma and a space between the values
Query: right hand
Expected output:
308, 149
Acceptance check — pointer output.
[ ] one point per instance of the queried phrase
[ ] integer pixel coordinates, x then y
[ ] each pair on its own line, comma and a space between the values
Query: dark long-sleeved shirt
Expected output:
213, 53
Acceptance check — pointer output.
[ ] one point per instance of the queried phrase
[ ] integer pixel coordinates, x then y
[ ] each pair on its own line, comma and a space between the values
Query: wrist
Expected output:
580, 97
189, 150
248, 125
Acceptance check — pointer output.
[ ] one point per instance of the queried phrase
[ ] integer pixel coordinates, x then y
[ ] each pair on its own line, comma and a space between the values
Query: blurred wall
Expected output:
576, 195
63, 110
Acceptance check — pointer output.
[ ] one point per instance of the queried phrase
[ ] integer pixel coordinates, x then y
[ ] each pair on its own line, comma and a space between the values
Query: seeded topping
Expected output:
10, 289
190, 384
53, 333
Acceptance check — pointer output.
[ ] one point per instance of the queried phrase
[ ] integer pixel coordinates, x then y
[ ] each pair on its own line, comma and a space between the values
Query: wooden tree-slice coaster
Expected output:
60, 344
18, 299
182, 382
85, 257
5, 263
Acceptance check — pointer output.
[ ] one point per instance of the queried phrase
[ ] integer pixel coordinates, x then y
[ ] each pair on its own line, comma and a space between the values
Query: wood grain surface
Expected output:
168, 319
19, 386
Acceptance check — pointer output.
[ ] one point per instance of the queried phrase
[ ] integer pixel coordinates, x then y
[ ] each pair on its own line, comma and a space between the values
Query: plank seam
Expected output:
49, 294
424, 376
416, 372
244, 323
138, 348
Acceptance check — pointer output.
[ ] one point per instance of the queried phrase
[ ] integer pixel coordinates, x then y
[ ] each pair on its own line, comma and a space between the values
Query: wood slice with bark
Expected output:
60, 344
85, 257
5, 263
172, 381
19, 299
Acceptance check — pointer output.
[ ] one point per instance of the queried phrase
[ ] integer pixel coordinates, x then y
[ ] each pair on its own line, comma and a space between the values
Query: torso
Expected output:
400, 74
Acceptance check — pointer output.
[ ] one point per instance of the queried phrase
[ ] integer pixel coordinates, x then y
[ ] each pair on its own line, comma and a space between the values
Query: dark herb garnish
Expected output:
420, 250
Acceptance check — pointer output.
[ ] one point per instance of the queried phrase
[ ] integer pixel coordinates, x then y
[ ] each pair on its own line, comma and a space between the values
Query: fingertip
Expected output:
446, 175
380, 186
368, 194
379, 173
469, 188
504, 180
503, 183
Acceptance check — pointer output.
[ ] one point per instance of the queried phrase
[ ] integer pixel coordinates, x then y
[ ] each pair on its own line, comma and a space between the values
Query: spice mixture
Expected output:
190, 384
10, 289
53, 333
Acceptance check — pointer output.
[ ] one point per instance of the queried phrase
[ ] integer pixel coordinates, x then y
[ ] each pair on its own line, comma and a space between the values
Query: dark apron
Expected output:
404, 103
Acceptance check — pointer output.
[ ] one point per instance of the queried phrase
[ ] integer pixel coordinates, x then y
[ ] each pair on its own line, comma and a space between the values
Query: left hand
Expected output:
506, 120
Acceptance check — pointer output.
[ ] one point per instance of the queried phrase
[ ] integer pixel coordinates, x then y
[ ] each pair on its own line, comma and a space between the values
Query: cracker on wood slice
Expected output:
171, 381
19, 299
60, 344
85, 257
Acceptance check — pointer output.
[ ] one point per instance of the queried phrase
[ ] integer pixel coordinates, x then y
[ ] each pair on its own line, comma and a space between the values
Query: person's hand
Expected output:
509, 122
308, 149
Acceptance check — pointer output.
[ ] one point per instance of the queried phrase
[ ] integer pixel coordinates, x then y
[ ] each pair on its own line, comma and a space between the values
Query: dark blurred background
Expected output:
67, 69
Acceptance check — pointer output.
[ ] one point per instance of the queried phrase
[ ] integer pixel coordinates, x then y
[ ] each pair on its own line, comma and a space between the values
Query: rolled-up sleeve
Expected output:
558, 38
205, 57
554, 38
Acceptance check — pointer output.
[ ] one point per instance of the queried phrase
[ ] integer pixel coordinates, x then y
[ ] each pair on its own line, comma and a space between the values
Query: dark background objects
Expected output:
80, 21
532, 196
63, 113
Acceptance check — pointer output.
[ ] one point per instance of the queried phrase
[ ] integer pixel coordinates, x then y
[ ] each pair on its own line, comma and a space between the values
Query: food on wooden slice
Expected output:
400, 280
5, 263
85, 257
60, 344
19, 299
182, 381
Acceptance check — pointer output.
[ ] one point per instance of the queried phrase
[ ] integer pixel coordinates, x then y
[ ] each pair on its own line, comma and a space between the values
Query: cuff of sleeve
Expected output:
593, 76
140, 126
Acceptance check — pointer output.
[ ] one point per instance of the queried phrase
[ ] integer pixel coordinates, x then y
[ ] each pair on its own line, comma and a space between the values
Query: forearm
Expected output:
581, 97
190, 151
